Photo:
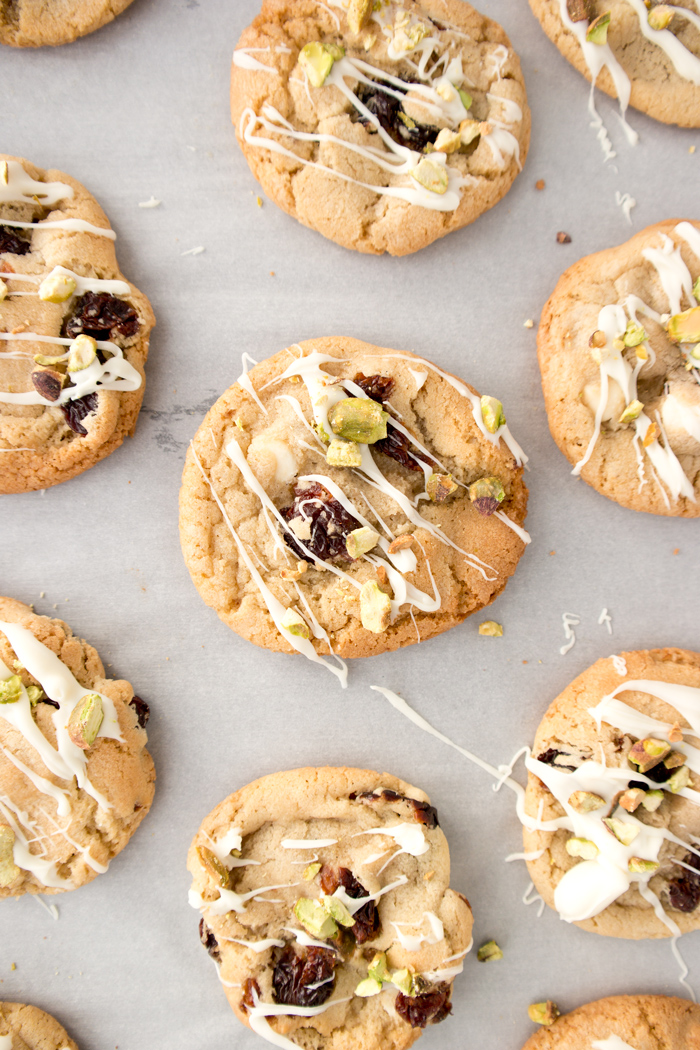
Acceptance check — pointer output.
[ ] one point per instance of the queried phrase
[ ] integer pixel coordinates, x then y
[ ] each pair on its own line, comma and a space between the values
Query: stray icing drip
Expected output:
413, 942
620, 665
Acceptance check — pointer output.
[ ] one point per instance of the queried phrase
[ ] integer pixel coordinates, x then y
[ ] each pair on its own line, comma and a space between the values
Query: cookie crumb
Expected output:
691, 149
529, 323
13, 966
563, 238
194, 251
540, 184
428, 876
258, 201
272, 273
677, 550
42, 594
152, 203
551, 553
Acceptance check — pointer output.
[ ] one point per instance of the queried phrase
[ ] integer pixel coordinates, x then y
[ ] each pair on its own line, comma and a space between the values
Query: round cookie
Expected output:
73, 333
624, 1022
326, 906
656, 70
28, 1028
628, 319
615, 767
76, 779
382, 129
35, 23
266, 520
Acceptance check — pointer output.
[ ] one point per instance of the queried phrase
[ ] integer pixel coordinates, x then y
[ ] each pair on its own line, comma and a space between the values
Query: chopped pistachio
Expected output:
466, 98
543, 1013
57, 288
652, 800
369, 40
632, 799
696, 288
295, 623
642, 867
647, 753
632, 412
679, 780
85, 721
623, 832
597, 32
3, 291
311, 871
294, 574
641, 352
35, 694
358, 14
360, 541
440, 487
314, 918
407, 37
368, 987
634, 334
586, 801
660, 16
47, 360
448, 141
468, 131
618, 343
83, 351
431, 175
343, 454
491, 629
584, 848
403, 980
685, 327
48, 383
489, 952
651, 435
213, 866
492, 413
674, 760
375, 608
401, 543
358, 419
9, 871
486, 494
317, 59
598, 340
337, 911
378, 968
10, 689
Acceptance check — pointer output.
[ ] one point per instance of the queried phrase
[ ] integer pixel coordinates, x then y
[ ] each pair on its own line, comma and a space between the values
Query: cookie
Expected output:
35, 23
649, 59
624, 1022
613, 850
28, 1028
619, 351
303, 540
326, 906
76, 779
381, 126
73, 333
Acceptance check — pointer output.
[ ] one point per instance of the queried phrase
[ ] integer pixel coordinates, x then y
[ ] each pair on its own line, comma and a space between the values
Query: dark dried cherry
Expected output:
367, 923
659, 774
295, 974
428, 1008
75, 411
143, 711
51, 703
423, 811
209, 941
11, 242
684, 892
102, 316
389, 112
549, 758
251, 992
329, 523
377, 387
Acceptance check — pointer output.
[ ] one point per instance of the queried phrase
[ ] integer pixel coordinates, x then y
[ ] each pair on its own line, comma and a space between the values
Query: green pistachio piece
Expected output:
660, 16
642, 867
489, 952
317, 59
343, 454
632, 412
598, 340
358, 14
597, 32
311, 872
83, 351
634, 334
8, 869
632, 799
358, 419
543, 1013
586, 801
378, 968
293, 622
431, 175
652, 800
685, 327
491, 629
696, 288
624, 833
584, 848
48, 383
375, 608
314, 918
57, 288
10, 689
467, 100
360, 541
492, 413
447, 141
647, 753
368, 987
403, 980
469, 130
337, 911
679, 780
440, 487
3, 291
85, 721
674, 760
486, 494
213, 866
44, 359
35, 694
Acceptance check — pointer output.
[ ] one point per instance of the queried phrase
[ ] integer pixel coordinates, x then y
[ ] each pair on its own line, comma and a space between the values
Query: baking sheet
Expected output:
139, 109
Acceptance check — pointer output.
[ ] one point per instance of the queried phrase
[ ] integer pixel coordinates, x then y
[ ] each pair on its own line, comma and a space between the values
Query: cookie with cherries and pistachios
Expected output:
619, 350
326, 906
624, 1022
76, 779
612, 809
28, 1028
73, 333
344, 498
35, 23
643, 52
384, 125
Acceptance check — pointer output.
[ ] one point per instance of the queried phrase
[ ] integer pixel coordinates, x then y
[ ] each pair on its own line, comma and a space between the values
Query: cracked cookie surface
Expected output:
295, 847
642, 1022
35, 23
30, 1028
430, 87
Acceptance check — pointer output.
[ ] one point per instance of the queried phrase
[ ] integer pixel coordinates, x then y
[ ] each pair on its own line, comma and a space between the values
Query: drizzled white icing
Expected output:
613, 1042
414, 942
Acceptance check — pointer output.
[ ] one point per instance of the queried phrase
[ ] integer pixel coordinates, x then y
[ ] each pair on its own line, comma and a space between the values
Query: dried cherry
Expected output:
684, 892
251, 992
304, 979
101, 316
143, 711
427, 1008
12, 242
549, 758
389, 112
328, 520
75, 411
209, 941
423, 811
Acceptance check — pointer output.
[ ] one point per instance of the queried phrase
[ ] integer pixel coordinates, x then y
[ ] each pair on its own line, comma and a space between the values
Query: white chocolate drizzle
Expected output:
613, 1042
413, 942
21, 187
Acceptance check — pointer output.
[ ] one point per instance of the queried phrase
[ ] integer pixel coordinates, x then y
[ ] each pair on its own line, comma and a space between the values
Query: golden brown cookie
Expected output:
28, 1028
624, 1022
76, 779
619, 351
647, 55
36, 23
303, 539
383, 127
326, 906
615, 768
73, 333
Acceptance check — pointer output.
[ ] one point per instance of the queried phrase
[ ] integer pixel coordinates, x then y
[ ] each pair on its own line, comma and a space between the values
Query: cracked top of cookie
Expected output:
326, 906
381, 125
